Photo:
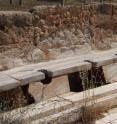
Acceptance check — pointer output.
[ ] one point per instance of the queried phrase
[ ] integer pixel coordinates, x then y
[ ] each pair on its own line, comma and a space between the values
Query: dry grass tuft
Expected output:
11, 99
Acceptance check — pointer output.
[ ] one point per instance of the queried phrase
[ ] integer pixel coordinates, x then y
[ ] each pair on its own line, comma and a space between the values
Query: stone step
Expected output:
105, 96
108, 119
74, 114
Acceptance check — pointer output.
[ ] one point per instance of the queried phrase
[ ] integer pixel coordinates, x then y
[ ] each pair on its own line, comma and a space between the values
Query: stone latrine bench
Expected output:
46, 71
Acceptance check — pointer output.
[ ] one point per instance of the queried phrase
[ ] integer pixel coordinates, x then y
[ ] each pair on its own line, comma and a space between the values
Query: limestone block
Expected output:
110, 72
58, 86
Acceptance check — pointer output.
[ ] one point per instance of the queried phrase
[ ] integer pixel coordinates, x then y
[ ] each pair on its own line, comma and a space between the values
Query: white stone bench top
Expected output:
8, 82
76, 58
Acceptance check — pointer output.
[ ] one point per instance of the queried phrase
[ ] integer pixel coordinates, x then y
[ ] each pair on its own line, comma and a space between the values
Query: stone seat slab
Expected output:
7, 83
32, 73
103, 61
27, 77
44, 65
69, 68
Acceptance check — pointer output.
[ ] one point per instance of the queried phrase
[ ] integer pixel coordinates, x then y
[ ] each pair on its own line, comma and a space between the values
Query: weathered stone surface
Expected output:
101, 39
110, 73
37, 91
58, 86
45, 45
60, 34
109, 118
12, 63
17, 18
64, 49
57, 42
50, 108
8, 62
7, 83
36, 55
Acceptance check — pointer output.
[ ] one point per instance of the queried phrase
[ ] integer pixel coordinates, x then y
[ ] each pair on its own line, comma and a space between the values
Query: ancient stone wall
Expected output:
26, 4
16, 2
44, 23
